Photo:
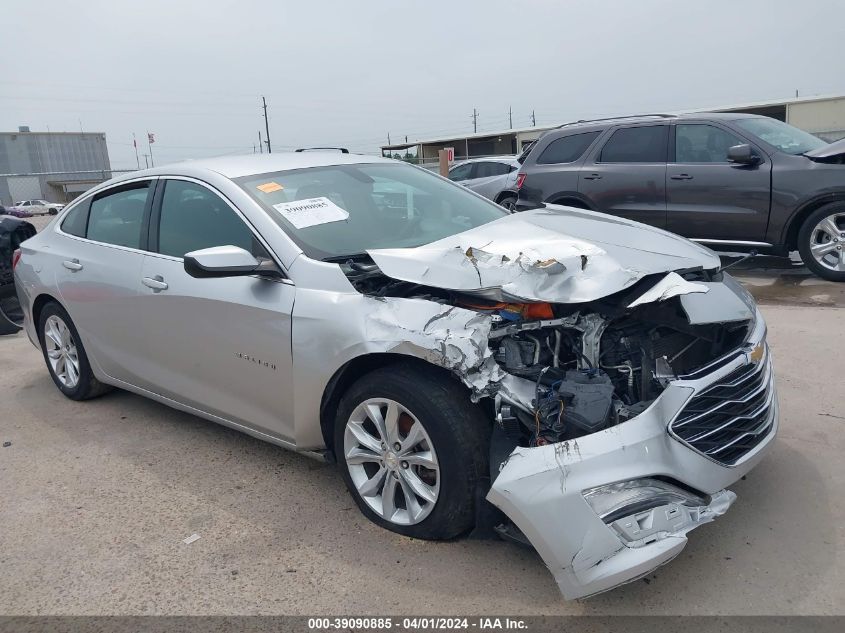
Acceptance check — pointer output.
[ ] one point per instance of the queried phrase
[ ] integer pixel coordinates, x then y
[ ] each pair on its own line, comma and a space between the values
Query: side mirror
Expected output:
742, 155
221, 261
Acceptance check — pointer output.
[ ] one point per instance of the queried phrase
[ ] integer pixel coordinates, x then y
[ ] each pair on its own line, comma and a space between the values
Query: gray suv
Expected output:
731, 181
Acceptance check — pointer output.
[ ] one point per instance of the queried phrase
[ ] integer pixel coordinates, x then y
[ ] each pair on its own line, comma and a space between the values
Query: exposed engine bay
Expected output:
584, 367
592, 370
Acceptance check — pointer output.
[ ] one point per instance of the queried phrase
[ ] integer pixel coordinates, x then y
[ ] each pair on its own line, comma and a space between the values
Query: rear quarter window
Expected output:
76, 221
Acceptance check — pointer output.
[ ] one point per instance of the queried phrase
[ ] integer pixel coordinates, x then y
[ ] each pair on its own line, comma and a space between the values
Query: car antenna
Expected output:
750, 255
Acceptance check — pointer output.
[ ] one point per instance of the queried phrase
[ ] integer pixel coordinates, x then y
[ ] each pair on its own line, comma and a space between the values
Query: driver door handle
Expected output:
681, 177
592, 177
156, 283
72, 265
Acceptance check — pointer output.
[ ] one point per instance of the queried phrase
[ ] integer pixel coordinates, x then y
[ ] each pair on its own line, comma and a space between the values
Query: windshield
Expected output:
786, 138
344, 210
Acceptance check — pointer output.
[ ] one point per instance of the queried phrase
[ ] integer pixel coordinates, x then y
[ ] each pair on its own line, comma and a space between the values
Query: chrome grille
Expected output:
730, 417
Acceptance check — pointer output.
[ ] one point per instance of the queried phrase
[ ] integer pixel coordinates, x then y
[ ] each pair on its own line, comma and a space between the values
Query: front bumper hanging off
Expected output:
608, 508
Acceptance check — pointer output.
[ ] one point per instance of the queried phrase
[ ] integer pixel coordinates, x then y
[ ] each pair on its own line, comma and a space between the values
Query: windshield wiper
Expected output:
342, 259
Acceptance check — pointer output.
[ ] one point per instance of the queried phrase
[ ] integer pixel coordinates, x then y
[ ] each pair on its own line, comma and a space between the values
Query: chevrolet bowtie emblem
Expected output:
757, 353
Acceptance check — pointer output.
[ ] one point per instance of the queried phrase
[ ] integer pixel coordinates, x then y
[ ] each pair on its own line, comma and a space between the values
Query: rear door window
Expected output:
488, 169
117, 218
643, 144
567, 149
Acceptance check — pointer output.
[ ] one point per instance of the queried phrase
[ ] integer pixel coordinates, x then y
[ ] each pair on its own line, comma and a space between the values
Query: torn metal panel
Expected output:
444, 335
553, 254
672, 285
721, 304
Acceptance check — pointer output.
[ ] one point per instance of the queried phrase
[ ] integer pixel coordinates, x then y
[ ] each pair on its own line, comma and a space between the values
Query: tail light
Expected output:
16, 257
520, 180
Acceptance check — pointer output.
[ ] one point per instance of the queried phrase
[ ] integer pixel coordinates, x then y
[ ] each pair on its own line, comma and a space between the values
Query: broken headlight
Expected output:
614, 501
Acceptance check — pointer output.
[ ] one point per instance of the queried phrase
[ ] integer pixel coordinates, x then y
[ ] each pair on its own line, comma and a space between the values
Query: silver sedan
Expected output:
493, 177
579, 382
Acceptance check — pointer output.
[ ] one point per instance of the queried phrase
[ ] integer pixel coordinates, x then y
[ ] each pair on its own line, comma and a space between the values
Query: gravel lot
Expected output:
98, 497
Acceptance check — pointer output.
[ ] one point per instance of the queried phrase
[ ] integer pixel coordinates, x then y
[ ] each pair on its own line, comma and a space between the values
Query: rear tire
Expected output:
508, 202
65, 356
448, 454
821, 241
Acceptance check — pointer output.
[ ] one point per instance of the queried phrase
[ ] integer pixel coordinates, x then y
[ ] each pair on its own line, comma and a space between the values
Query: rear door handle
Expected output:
592, 177
72, 265
156, 283
681, 177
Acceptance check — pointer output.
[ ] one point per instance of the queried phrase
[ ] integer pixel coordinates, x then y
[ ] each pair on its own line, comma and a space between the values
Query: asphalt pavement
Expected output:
98, 498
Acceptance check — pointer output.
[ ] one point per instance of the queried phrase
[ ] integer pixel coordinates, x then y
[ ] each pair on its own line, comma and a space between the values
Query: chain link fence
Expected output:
53, 186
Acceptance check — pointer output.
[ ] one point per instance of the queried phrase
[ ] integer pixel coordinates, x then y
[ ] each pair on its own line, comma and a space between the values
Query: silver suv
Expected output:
598, 381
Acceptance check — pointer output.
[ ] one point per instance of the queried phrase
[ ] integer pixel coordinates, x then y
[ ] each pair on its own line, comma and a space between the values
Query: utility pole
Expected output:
266, 125
510, 117
135, 143
150, 141
260, 143
146, 160
533, 119
474, 120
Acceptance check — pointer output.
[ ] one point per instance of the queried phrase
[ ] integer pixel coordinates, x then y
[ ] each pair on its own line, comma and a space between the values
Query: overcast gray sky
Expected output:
348, 72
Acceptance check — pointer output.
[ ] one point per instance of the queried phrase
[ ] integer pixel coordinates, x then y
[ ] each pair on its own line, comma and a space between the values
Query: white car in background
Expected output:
40, 207
493, 177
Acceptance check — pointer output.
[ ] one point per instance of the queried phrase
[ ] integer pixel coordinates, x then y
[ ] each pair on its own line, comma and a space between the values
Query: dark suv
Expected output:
732, 181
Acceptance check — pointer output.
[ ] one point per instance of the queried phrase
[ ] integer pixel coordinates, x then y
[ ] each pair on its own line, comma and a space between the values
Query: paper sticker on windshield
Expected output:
270, 187
311, 212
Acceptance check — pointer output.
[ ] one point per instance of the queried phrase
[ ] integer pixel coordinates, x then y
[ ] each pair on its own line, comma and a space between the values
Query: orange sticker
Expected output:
270, 187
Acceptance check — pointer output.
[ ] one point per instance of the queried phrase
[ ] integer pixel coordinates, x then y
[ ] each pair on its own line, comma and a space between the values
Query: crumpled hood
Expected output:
556, 254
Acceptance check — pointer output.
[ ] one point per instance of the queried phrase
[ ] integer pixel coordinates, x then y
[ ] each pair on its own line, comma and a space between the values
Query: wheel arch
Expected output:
506, 193
571, 199
354, 369
38, 305
797, 220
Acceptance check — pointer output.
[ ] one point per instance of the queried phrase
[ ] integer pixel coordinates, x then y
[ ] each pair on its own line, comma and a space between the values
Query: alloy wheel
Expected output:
61, 351
827, 240
391, 461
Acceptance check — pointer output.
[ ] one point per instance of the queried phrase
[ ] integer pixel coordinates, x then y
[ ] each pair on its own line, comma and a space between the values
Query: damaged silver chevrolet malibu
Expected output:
585, 384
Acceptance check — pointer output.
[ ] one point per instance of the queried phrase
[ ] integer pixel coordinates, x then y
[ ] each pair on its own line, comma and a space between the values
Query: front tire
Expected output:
65, 356
821, 241
412, 449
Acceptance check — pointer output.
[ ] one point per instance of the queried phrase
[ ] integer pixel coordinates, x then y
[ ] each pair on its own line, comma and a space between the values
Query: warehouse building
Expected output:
53, 166
822, 116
